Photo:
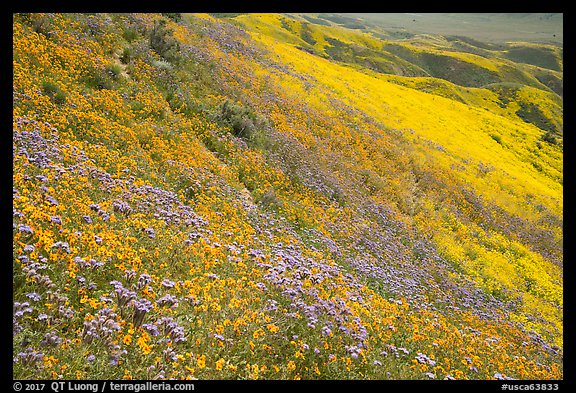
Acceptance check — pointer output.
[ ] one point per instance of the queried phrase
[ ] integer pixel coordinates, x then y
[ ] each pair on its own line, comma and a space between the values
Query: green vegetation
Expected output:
162, 42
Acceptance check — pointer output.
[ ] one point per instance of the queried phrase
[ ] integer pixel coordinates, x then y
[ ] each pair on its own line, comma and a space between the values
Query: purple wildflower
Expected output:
34, 296
423, 359
29, 357
143, 280
51, 339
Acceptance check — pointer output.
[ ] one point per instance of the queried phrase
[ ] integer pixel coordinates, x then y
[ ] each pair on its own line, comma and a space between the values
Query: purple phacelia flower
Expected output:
51, 339
90, 358
106, 299
62, 245
34, 296
151, 328
150, 232
28, 248
167, 300
87, 219
51, 199
56, 220
144, 280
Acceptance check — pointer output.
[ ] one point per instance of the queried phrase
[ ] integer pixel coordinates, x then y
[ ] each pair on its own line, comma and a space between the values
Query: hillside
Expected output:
272, 197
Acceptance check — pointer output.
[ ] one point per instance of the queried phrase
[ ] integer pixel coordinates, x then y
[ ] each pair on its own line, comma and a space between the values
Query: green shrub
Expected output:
497, 138
269, 199
98, 79
240, 119
127, 55
162, 42
114, 70
130, 34
41, 23
53, 91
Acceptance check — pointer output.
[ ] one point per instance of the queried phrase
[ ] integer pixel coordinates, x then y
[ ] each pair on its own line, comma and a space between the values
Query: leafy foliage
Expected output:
209, 201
